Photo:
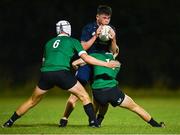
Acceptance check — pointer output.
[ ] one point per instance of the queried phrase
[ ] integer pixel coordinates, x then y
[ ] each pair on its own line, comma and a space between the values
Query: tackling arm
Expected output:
77, 63
93, 61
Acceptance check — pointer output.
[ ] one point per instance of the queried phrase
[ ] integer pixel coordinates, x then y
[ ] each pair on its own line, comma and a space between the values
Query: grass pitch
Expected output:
44, 118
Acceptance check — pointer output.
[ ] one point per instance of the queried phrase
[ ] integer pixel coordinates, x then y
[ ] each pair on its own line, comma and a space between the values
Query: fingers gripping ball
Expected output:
104, 35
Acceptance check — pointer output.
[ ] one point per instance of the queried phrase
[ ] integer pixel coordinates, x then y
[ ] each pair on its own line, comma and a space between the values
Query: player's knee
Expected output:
84, 98
129, 103
72, 102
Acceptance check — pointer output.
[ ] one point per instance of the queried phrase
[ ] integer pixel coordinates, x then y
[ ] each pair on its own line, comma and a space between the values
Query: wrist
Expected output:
107, 64
95, 35
113, 40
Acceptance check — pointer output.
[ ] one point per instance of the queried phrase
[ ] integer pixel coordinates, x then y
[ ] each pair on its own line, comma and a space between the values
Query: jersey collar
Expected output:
63, 35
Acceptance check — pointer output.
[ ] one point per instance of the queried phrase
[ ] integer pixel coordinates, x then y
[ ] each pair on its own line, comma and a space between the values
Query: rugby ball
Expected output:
104, 35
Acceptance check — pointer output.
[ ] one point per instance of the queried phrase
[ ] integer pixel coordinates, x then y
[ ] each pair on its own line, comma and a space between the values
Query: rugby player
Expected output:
105, 90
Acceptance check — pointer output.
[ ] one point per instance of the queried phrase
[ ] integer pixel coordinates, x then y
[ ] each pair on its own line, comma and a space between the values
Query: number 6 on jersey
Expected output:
56, 44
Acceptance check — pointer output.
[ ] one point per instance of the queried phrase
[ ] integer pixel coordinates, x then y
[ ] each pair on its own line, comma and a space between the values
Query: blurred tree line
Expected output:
148, 34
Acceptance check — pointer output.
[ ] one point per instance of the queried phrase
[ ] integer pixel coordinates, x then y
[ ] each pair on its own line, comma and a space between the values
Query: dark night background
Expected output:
148, 34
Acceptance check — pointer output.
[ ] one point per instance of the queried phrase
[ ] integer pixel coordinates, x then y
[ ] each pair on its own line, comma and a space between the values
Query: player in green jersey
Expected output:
55, 71
105, 90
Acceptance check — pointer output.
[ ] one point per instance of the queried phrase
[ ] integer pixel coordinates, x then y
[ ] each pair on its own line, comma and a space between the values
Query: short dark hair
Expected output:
104, 9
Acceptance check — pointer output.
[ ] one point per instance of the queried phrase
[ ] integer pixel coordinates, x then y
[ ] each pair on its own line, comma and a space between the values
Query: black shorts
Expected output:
62, 78
108, 95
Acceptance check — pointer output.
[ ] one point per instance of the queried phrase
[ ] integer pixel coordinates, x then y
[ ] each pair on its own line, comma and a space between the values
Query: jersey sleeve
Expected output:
79, 48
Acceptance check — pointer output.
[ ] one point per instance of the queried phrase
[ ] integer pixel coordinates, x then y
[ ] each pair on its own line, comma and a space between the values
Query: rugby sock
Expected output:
154, 123
90, 112
100, 118
13, 118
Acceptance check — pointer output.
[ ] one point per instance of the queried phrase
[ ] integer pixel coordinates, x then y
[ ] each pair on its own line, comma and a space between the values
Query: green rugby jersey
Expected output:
58, 53
104, 77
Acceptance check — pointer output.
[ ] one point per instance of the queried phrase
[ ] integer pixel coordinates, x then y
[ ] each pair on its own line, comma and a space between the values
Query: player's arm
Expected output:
114, 47
77, 63
87, 44
93, 61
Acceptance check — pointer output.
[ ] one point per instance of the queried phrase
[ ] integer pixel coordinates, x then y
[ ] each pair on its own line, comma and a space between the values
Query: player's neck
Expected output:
63, 34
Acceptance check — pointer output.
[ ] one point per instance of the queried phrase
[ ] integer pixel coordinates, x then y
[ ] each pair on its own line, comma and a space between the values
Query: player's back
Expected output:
58, 53
104, 77
104, 56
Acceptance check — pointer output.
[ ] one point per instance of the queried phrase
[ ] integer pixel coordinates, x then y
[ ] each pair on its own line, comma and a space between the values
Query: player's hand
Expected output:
75, 66
77, 63
114, 64
111, 33
98, 31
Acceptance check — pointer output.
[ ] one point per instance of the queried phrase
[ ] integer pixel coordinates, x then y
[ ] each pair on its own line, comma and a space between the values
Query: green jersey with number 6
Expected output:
58, 53
104, 77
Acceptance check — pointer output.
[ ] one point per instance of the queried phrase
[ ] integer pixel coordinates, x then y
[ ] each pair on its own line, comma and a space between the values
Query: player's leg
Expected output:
95, 105
128, 103
100, 98
39, 91
71, 102
82, 75
79, 91
31, 102
65, 80
100, 110
70, 105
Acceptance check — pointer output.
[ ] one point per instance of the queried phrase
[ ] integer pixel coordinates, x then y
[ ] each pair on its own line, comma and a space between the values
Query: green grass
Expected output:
45, 116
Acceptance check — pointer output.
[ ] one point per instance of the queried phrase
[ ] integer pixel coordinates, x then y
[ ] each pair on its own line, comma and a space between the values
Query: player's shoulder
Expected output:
74, 39
90, 25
